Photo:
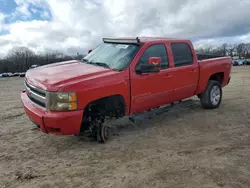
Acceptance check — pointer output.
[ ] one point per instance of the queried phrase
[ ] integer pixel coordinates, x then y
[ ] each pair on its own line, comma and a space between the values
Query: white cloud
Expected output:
76, 25
2, 17
45, 14
219, 41
40, 3
34, 10
24, 10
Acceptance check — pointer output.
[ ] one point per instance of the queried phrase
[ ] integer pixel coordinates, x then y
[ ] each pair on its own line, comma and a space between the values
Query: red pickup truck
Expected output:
120, 77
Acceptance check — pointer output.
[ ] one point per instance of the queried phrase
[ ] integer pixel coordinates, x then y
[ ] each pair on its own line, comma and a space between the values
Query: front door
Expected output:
151, 90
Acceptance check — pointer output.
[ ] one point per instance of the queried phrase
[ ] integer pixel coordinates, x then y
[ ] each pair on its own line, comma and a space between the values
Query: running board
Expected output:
150, 114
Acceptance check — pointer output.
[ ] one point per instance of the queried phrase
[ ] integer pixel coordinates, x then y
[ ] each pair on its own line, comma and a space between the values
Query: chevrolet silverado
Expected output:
120, 77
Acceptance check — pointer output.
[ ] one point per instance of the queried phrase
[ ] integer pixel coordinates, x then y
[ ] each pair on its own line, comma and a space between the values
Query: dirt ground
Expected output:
187, 147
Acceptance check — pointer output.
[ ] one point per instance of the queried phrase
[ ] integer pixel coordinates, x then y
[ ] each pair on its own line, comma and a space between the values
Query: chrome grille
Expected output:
36, 95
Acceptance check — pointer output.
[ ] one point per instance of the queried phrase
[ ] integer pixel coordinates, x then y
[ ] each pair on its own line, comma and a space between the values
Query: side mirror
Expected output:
154, 60
153, 66
89, 51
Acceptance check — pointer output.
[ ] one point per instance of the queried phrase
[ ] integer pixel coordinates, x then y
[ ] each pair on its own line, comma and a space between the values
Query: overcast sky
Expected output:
72, 26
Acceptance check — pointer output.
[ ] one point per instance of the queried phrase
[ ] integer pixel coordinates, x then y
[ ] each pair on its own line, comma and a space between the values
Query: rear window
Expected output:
182, 54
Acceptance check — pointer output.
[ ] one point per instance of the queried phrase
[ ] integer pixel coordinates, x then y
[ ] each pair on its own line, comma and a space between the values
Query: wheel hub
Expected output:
215, 95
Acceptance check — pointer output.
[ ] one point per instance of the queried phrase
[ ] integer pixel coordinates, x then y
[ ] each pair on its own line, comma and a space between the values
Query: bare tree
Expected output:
205, 50
231, 49
240, 49
209, 50
21, 57
224, 49
246, 50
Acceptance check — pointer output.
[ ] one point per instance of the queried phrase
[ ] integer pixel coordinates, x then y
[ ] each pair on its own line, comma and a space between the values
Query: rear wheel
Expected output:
212, 96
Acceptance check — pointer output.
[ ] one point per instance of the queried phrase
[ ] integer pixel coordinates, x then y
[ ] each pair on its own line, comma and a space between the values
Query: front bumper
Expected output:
62, 123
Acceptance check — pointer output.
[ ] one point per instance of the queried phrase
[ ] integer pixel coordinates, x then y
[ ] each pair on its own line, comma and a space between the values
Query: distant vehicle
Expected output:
235, 63
247, 62
34, 66
6, 74
16, 74
239, 62
10, 74
242, 61
121, 77
22, 74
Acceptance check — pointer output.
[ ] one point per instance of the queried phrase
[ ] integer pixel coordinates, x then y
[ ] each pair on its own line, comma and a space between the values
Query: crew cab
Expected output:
120, 77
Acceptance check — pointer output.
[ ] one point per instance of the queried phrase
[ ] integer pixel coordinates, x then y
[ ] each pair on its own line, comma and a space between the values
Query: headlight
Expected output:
61, 101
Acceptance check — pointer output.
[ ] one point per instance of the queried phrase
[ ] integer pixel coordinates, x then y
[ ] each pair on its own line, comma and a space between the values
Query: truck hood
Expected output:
52, 77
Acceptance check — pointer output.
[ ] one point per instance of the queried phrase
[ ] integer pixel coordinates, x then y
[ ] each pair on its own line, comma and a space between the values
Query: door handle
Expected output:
168, 76
193, 70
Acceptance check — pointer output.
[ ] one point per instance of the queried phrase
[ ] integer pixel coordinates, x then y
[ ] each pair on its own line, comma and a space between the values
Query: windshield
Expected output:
111, 55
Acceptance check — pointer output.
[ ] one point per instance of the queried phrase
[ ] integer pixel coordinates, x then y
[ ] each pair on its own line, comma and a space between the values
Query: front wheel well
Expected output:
111, 106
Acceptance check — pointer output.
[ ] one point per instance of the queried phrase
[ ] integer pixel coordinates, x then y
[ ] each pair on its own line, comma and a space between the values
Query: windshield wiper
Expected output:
101, 64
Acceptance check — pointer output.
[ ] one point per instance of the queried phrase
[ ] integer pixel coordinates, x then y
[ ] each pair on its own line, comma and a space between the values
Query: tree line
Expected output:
20, 59
241, 50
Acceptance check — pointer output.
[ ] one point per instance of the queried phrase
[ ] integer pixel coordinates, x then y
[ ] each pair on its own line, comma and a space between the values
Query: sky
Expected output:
75, 26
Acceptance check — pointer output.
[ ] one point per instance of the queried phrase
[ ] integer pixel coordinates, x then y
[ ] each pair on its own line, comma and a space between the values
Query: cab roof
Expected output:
139, 40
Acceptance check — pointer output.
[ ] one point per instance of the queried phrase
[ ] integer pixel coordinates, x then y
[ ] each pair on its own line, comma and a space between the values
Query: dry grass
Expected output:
188, 147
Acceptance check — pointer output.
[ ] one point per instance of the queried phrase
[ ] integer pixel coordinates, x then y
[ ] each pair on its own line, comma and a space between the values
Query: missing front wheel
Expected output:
102, 133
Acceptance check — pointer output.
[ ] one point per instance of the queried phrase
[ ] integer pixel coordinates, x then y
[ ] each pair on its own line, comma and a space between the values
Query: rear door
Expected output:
151, 90
185, 71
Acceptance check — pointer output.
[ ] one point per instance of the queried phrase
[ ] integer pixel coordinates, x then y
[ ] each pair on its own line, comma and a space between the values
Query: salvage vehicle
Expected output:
120, 77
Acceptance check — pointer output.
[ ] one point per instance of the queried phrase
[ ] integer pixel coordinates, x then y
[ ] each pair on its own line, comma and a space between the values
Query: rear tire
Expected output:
212, 96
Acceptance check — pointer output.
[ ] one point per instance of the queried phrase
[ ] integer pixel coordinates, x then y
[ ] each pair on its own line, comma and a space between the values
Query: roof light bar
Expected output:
125, 41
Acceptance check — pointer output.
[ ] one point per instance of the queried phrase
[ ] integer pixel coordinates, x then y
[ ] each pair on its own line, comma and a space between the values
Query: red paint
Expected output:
140, 91
64, 122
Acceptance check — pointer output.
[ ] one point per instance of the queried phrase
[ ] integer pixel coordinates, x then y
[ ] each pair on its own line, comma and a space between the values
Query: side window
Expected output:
157, 50
182, 54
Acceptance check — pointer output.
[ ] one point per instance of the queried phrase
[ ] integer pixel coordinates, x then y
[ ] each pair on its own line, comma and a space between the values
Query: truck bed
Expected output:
207, 56
220, 65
